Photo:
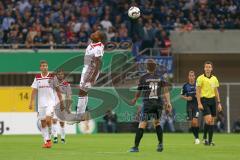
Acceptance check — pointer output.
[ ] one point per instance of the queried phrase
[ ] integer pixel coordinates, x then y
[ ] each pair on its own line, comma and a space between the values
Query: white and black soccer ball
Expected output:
134, 12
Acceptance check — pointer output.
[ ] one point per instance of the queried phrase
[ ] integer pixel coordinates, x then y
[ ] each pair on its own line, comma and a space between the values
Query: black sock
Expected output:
205, 131
138, 136
210, 133
195, 132
159, 132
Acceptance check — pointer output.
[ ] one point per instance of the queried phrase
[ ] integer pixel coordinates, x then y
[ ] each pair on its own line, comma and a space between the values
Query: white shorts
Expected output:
43, 112
85, 77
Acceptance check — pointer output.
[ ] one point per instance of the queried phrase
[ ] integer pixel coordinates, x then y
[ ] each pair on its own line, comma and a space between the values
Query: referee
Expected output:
208, 98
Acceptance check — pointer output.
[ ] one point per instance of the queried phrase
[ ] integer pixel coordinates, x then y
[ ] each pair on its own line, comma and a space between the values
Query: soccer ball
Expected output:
134, 12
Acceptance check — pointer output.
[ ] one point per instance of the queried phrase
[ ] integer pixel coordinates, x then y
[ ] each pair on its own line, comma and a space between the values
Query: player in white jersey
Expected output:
66, 92
91, 69
43, 86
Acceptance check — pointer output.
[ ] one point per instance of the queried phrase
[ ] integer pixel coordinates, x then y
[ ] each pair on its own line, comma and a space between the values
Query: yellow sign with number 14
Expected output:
15, 99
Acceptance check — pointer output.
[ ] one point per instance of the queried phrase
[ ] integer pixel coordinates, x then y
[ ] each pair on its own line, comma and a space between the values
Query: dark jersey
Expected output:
151, 85
189, 90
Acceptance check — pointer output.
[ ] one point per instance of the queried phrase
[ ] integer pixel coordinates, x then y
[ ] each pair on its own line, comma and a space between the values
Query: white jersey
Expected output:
93, 50
45, 90
65, 89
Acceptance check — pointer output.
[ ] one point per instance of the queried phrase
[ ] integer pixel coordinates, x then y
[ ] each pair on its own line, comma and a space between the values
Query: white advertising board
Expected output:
24, 123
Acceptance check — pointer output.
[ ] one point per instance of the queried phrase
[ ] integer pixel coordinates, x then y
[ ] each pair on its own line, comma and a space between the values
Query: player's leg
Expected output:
205, 133
44, 127
211, 125
207, 118
82, 101
195, 130
62, 132
49, 115
54, 130
138, 136
195, 124
159, 133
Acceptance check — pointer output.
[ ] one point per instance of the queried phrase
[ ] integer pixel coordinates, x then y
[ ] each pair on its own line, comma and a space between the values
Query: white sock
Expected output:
82, 104
62, 132
54, 130
45, 134
43, 130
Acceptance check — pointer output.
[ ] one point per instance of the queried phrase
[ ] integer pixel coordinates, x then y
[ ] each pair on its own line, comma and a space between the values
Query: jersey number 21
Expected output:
154, 87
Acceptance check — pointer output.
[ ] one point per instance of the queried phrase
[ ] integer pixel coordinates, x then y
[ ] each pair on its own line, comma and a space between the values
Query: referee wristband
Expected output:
218, 102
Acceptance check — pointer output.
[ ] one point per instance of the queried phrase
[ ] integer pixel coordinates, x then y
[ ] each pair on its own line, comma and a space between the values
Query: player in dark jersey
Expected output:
151, 87
189, 94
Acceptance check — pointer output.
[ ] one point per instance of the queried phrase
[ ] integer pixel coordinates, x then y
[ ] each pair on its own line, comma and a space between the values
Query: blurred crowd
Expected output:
62, 22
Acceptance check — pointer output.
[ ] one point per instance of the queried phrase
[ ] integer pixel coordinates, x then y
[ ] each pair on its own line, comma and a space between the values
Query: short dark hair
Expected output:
151, 65
43, 62
103, 36
60, 70
191, 71
208, 62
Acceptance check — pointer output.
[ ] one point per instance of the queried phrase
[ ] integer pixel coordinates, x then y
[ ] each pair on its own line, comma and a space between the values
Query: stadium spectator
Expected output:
220, 122
110, 119
236, 126
167, 121
54, 17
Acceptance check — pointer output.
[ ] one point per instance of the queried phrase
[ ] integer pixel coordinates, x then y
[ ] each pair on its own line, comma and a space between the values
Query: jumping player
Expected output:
189, 94
91, 69
66, 92
43, 86
208, 98
150, 87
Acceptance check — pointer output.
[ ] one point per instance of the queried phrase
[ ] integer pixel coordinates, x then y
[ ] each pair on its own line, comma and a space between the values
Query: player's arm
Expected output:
97, 62
139, 91
137, 95
198, 95
59, 94
218, 99
166, 96
183, 95
68, 99
198, 92
33, 97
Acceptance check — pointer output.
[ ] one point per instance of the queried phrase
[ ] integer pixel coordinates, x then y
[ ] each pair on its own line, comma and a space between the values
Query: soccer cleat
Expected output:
49, 143
160, 147
211, 144
134, 149
205, 142
45, 145
197, 141
55, 140
63, 141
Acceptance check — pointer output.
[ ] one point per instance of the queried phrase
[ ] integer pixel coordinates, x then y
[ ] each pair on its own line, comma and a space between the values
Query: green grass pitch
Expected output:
115, 147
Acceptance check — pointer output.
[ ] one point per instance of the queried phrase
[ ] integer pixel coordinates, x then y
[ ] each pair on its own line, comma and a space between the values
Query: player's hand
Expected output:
133, 101
219, 107
200, 106
189, 98
169, 107
61, 106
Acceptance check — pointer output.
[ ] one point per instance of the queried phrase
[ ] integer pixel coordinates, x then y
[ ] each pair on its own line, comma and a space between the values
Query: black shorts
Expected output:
152, 109
209, 106
192, 111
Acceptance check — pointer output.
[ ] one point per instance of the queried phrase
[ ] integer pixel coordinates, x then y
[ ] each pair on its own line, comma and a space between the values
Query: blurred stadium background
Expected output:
179, 34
